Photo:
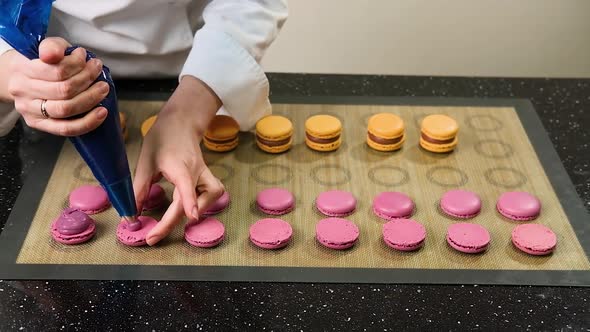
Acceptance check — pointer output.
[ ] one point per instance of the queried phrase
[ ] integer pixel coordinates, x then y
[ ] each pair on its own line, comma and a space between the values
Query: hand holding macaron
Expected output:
163, 155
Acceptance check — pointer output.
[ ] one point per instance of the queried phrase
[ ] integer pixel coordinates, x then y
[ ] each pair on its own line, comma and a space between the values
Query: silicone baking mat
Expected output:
495, 155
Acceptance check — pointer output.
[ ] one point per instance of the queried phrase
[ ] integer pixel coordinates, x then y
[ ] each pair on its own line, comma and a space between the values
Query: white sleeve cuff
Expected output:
232, 73
8, 117
4, 47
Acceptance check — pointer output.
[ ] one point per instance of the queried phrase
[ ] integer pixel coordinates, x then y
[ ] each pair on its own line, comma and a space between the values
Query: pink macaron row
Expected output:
514, 205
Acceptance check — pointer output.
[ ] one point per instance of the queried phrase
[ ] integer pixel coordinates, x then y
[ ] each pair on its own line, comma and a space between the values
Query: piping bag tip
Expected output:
133, 224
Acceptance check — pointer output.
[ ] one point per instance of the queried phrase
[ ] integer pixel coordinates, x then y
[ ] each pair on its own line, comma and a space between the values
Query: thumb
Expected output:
52, 49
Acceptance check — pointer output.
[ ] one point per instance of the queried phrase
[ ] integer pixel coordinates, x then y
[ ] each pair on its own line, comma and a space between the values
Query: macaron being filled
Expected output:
404, 234
468, 238
519, 206
337, 233
439, 133
206, 233
534, 239
460, 204
274, 134
222, 134
271, 233
89, 199
135, 238
73, 227
336, 203
323, 133
275, 201
391, 205
385, 132
147, 124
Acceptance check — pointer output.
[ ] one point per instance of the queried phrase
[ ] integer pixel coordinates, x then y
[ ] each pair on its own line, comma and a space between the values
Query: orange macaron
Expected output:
222, 134
439, 133
385, 132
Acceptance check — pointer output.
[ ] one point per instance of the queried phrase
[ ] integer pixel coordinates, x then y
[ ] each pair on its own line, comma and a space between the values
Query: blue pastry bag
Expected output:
23, 25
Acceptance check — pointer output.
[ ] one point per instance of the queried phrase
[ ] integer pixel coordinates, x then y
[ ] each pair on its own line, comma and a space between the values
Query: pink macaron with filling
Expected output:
135, 238
468, 238
336, 203
220, 204
519, 206
156, 198
206, 233
275, 201
461, 204
271, 233
336, 233
393, 205
404, 234
73, 227
89, 199
534, 239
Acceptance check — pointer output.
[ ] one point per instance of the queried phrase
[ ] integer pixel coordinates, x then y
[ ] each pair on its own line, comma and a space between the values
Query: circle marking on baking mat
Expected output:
484, 122
498, 176
494, 148
271, 174
321, 175
222, 171
381, 175
457, 177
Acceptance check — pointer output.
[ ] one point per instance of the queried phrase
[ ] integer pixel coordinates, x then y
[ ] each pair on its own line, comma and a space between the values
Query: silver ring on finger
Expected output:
44, 109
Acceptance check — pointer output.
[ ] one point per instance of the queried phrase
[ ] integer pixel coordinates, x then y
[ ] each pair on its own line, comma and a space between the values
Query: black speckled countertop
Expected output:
563, 107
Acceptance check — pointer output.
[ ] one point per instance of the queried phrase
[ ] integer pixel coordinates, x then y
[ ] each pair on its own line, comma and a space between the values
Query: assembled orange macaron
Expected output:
222, 134
439, 133
323, 133
274, 134
385, 132
147, 124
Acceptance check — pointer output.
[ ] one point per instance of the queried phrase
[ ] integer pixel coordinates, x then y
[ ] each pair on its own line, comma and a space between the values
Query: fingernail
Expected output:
103, 87
102, 113
98, 63
152, 240
195, 213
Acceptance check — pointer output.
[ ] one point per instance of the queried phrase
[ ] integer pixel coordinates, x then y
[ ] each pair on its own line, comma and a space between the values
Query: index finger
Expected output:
69, 66
171, 218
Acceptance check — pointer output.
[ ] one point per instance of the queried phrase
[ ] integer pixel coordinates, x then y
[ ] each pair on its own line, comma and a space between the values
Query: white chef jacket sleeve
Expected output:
8, 116
227, 50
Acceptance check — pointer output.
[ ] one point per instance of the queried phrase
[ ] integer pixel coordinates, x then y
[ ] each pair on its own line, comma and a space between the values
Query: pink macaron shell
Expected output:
270, 233
206, 233
404, 234
461, 204
156, 198
275, 201
393, 205
468, 238
337, 233
135, 238
534, 239
73, 227
220, 204
519, 206
336, 203
89, 199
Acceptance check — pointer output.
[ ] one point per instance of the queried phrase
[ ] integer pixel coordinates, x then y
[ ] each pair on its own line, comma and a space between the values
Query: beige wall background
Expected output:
530, 38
